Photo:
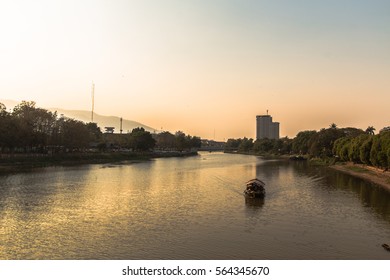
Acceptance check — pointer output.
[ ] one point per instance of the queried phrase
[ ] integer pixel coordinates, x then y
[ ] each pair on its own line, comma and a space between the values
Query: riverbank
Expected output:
266, 156
368, 173
19, 163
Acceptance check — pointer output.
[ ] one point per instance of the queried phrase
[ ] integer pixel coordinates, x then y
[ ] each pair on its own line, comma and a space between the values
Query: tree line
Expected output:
28, 129
365, 148
345, 144
141, 140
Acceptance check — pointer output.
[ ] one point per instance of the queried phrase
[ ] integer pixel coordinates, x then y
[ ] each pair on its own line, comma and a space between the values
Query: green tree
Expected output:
380, 150
264, 145
321, 144
354, 147
351, 131
300, 144
365, 150
341, 148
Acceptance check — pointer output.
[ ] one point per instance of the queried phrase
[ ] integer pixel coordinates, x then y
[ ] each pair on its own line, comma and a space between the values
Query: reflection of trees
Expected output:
266, 171
369, 194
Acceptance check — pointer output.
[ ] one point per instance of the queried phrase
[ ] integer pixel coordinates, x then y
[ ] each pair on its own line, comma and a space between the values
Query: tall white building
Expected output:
266, 128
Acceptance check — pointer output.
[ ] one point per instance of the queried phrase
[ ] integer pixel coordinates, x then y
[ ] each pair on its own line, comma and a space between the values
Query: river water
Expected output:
192, 208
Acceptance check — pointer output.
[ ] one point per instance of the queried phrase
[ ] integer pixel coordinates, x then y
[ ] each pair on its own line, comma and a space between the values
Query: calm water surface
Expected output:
191, 208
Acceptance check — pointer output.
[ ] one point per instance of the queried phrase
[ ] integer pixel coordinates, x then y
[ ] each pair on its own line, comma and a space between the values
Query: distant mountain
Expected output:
102, 121
85, 116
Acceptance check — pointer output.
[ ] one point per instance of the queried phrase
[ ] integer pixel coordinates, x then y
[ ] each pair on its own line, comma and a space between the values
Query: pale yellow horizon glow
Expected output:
202, 66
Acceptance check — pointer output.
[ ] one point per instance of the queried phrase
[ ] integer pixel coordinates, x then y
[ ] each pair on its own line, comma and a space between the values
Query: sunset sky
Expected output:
203, 65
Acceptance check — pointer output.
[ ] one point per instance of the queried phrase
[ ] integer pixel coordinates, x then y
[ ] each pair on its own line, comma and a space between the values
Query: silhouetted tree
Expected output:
95, 132
165, 140
180, 141
284, 145
195, 142
141, 140
35, 126
74, 134
3, 109
232, 144
9, 130
370, 130
246, 145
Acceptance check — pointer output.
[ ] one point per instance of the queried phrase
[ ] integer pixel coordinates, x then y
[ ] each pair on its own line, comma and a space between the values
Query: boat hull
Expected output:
255, 189
254, 194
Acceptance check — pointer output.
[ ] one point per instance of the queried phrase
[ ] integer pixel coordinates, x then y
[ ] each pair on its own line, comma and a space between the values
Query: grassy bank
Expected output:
368, 173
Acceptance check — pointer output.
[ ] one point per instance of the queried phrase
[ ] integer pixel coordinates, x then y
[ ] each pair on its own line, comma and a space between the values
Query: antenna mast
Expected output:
93, 100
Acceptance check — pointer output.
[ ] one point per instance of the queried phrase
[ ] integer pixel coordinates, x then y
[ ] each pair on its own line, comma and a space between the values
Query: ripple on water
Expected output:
191, 208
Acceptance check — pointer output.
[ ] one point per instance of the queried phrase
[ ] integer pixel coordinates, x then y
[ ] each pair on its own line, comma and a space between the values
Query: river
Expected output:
191, 208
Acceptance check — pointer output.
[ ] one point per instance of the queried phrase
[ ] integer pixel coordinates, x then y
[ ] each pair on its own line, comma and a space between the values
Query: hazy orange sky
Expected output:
203, 66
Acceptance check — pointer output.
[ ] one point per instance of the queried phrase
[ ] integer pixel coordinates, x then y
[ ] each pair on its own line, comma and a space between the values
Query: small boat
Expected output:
255, 189
386, 246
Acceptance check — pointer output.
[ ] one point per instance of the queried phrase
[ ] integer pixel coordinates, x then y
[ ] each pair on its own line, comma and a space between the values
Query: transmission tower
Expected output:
93, 100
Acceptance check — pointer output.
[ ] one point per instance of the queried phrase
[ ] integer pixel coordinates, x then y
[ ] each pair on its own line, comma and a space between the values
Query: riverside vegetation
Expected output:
35, 136
328, 146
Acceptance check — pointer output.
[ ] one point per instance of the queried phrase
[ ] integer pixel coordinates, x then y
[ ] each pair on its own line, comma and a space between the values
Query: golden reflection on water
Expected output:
190, 208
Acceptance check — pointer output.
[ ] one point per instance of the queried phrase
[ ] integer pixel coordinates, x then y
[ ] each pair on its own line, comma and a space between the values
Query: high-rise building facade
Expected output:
266, 128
